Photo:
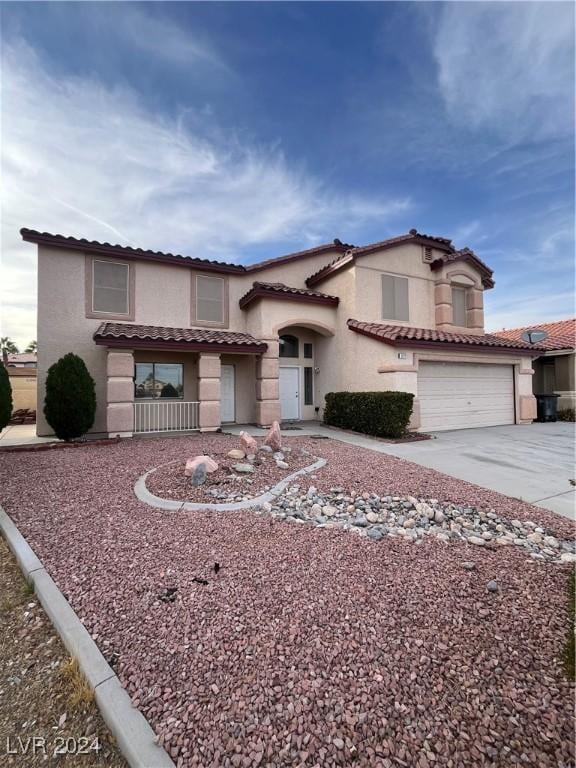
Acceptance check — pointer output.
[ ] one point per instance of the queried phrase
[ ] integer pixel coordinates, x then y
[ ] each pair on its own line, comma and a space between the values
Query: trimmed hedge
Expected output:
383, 414
567, 414
70, 402
5, 397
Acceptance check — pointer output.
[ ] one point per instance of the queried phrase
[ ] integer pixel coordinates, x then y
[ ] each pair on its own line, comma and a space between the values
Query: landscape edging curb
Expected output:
134, 735
143, 494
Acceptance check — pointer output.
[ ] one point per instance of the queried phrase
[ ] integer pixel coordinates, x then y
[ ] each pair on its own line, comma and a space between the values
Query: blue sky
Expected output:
242, 131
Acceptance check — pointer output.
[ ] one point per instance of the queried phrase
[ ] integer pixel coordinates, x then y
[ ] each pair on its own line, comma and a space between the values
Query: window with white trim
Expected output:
110, 287
210, 299
394, 298
153, 380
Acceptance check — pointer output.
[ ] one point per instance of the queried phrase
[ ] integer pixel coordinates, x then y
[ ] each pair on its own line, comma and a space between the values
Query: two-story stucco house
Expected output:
176, 342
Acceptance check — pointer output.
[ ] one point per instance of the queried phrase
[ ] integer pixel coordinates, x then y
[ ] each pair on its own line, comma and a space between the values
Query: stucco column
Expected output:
526, 400
120, 393
209, 391
267, 385
398, 377
475, 308
443, 304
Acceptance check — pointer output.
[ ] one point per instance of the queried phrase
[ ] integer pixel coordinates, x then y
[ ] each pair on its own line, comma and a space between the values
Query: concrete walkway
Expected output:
533, 462
21, 434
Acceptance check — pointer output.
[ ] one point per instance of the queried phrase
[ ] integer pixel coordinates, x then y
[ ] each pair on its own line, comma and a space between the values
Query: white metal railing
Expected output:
166, 416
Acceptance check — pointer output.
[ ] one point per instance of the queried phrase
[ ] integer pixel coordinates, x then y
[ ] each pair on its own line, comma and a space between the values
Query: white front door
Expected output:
227, 394
289, 392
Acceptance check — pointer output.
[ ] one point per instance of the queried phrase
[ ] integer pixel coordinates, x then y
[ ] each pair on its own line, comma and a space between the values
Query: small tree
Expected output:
5, 397
32, 347
8, 348
70, 402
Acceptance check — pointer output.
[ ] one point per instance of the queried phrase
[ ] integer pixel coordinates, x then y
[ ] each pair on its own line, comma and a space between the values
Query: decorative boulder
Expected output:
199, 476
248, 444
274, 437
243, 468
236, 453
191, 464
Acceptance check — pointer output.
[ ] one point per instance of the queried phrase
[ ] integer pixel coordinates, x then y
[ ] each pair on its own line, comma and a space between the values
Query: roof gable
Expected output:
450, 254
261, 290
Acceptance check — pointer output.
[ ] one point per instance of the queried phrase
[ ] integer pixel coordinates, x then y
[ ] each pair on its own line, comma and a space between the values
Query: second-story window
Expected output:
459, 306
210, 299
394, 298
110, 287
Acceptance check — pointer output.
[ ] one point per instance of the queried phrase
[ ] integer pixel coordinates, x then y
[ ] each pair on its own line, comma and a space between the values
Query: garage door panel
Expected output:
461, 395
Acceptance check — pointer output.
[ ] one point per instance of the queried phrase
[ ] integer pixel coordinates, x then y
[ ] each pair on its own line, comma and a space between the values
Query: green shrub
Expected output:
5, 397
383, 414
70, 403
567, 414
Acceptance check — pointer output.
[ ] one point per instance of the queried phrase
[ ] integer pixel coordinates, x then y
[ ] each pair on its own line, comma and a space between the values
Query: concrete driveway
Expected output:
532, 462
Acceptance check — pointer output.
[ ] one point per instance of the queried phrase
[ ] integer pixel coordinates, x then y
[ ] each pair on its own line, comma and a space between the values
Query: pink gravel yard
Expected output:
169, 482
310, 646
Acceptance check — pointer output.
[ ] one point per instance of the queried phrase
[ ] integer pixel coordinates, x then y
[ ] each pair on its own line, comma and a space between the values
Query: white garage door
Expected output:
463, 395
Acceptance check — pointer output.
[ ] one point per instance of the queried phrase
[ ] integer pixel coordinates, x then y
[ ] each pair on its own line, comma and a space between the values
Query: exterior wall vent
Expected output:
427, 255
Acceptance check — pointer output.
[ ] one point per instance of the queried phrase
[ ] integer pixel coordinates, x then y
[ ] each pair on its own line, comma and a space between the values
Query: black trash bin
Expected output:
546, 407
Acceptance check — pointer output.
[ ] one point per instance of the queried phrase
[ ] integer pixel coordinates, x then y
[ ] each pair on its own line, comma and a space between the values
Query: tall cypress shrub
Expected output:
5, 397
70, 402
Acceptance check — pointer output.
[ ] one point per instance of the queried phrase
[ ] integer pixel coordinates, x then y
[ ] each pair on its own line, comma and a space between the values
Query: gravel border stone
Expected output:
132, 732
143, 494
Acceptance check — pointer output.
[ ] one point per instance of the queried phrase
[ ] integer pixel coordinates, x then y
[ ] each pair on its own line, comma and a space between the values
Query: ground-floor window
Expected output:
153, 380
308, 386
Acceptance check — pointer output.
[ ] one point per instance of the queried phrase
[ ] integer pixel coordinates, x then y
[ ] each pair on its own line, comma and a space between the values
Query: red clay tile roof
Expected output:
153, 336
346, 254
126, 252
316, 251
561, 334
281, 291
397, 335
440, 243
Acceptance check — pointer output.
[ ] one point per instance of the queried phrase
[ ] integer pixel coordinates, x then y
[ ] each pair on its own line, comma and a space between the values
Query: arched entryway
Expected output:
300, 350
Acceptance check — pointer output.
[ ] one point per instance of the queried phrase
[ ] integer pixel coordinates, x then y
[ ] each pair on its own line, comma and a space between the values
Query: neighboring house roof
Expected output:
439, 243
397, 335
561, 334
22, 358
193, 339
280, 291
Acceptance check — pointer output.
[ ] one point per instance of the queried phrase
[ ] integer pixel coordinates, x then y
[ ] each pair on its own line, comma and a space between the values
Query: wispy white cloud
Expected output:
508, 68
83, 159
163, 39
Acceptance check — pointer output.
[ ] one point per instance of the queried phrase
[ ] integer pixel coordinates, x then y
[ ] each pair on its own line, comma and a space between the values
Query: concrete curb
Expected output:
143, 494
133, 734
